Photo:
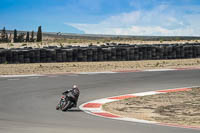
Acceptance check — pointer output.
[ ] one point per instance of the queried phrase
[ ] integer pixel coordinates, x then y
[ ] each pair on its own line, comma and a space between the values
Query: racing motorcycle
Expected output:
65, 103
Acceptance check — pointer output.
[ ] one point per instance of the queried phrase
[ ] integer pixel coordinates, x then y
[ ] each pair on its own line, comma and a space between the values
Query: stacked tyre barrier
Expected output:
100, 53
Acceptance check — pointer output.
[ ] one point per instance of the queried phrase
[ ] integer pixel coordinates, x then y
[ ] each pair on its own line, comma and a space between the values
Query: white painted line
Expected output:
73, 75
107, 72
52, 76
13, 76
33, 77
13, 79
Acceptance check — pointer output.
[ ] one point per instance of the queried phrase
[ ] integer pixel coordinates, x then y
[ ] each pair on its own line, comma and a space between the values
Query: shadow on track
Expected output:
74, 110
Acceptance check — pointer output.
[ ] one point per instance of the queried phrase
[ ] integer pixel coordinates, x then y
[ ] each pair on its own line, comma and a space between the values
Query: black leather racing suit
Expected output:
74, 92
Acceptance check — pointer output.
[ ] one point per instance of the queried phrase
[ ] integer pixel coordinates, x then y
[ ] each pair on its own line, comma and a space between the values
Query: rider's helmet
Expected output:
75, 86
76, 90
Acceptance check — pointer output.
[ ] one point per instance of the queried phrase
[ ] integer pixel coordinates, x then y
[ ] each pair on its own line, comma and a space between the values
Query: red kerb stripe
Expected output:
128, 71
122, 97
92, 105
189, 68
175, 90
176, 125
107, 115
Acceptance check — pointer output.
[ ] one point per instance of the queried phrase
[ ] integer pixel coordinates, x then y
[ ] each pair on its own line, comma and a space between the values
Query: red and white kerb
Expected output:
95, 107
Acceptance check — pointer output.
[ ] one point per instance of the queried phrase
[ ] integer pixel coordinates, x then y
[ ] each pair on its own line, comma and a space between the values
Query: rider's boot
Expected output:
57, 107
75, 104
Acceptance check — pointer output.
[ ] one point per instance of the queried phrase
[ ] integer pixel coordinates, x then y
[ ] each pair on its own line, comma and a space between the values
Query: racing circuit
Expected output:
27, 104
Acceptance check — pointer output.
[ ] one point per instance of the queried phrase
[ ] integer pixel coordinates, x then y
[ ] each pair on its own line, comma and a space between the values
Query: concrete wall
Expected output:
100, 53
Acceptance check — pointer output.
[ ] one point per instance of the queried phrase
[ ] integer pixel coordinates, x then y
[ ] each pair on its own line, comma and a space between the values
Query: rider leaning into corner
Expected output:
73, 92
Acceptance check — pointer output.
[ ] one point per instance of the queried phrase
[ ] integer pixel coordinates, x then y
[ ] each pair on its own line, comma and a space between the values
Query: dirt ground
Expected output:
52, 68
173, 108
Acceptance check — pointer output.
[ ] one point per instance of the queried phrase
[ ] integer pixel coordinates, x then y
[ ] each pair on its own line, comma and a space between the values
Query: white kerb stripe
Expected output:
97, 110
135, 120
146, 93
102, 101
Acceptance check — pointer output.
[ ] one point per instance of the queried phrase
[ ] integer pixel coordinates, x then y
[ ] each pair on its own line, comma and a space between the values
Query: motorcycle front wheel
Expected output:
64, 105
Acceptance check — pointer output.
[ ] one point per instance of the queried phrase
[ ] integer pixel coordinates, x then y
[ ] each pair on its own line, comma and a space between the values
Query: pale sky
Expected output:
116, 17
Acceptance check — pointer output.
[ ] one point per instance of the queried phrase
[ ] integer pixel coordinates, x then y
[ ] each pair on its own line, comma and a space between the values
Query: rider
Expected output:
74, 92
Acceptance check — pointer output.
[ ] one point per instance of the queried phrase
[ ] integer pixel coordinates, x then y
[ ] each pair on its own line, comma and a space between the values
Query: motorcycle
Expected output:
65, 103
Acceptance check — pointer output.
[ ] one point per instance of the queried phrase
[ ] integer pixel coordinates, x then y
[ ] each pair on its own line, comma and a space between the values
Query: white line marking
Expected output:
13, 79
73, 75
13, 76
52, 76
33, 77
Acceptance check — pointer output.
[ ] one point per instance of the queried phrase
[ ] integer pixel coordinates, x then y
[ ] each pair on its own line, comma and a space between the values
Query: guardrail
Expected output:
111, 52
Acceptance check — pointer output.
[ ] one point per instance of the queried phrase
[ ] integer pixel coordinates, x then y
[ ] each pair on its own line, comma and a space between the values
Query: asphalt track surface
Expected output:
27, 104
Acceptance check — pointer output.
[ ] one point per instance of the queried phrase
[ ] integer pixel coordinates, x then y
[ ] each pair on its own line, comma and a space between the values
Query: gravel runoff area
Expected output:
55, 68
181, 108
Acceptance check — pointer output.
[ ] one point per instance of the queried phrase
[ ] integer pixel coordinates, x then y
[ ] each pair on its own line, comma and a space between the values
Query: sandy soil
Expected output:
51, 68
174, 108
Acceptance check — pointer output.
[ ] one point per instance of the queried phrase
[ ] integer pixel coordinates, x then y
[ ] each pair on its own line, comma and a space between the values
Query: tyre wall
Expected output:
100, 53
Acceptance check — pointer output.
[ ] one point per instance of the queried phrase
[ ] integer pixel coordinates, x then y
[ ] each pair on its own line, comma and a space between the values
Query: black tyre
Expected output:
65, 104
